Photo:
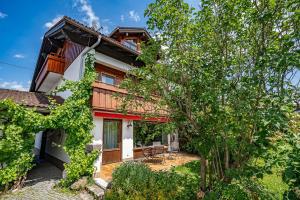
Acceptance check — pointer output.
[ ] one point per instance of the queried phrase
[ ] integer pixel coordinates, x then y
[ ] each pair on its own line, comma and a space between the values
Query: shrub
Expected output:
134, 180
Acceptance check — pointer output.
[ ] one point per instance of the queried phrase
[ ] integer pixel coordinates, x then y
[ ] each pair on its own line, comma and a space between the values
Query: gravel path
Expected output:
39, 186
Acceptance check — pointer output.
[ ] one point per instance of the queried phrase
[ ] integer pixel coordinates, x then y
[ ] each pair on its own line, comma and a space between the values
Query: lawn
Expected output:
272, 182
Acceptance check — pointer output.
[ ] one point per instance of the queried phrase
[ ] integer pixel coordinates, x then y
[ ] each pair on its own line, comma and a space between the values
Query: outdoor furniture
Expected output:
173, 150
159, 150
147, 152
153, 152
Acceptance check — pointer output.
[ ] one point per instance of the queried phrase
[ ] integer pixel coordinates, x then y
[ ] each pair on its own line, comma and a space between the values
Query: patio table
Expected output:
153, 151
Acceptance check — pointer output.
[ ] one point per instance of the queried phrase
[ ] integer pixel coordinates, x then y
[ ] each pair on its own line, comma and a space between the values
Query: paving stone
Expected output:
40, 185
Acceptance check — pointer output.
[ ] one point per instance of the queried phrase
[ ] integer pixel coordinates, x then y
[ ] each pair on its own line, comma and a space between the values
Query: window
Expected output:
105, 78
130, 44
111, 133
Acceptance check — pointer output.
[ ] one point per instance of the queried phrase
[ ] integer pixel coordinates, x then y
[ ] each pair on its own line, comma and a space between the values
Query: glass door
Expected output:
112, 140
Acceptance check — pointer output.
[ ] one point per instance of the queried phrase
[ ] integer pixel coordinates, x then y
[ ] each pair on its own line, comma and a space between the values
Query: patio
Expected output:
179, 159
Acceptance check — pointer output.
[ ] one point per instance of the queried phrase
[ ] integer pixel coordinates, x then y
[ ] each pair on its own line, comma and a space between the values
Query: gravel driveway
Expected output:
39, 186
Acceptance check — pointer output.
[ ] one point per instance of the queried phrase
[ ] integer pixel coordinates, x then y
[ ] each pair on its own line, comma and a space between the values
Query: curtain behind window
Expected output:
110, 132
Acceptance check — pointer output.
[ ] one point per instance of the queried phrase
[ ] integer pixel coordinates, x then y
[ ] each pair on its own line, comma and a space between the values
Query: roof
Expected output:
130, 29
29, 99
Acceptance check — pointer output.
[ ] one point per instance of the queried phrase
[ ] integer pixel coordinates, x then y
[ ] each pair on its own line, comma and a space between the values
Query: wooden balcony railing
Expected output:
53, 63
110, 98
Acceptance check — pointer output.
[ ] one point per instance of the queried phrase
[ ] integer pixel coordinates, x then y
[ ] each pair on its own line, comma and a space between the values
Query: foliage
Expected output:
225, 73
19, 125
291, 174
136, 181
147, 132
274, 184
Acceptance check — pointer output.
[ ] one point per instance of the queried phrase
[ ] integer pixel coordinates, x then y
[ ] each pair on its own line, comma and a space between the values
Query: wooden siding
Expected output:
119, 75
53, 64
109, 98
71, 52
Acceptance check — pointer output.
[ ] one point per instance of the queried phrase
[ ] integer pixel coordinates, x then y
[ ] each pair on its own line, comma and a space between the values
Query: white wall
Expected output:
54, 143
111, 62
98, 139
38, 143
72, 73
38, 140
127, 140
173, 141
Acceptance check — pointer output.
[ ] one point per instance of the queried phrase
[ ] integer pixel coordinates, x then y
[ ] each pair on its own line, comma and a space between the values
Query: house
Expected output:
61, 57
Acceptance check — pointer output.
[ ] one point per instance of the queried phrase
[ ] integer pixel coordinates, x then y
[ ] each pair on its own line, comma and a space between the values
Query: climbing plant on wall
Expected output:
19, 124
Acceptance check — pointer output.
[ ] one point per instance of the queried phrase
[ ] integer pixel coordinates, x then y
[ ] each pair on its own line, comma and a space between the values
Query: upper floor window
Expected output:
130, 44
108, 79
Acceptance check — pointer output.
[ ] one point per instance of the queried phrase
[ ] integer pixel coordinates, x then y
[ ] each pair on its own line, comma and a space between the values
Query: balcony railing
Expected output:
54, 64
110, 98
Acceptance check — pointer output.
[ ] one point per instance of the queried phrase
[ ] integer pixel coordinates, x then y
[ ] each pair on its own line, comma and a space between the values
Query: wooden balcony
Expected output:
109, 98
52, 68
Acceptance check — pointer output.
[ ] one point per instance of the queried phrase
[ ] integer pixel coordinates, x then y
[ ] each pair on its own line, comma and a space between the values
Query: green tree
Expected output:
225, 72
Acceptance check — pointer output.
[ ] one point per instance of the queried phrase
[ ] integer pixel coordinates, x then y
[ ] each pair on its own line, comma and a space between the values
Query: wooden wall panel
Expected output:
71, 51
113, 72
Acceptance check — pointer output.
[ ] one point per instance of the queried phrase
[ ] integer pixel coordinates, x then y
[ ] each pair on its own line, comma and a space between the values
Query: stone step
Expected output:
102, 183
96, 191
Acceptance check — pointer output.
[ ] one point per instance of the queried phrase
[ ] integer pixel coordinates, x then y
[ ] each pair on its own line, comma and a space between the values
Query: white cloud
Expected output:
122, 18
90, 17
134, 16
53, 21
19, 56
105, 29
15, 85
2, 15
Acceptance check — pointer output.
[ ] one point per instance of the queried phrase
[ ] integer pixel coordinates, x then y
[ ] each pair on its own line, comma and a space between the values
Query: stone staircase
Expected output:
97, 190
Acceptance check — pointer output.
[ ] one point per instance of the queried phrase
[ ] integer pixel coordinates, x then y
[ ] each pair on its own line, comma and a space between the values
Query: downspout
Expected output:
81, 70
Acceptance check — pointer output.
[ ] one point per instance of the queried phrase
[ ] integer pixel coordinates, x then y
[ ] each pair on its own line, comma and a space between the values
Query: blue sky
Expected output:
23, 23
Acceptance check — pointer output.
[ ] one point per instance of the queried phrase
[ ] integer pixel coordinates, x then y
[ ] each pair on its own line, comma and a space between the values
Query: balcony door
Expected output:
112, 141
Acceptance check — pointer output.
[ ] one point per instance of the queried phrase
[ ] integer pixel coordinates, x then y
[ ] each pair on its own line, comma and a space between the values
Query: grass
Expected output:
272, 182
190, 168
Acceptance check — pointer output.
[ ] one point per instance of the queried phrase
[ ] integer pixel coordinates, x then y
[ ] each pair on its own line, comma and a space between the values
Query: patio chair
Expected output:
147, 152
173, 149
159, 152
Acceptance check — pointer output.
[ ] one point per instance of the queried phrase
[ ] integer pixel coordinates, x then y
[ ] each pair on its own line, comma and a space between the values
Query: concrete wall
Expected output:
55, 140
111, 62
72, 73
38, 143
127, 140
98, 139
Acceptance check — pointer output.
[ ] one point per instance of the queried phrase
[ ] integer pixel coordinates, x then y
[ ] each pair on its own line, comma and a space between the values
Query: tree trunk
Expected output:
203, 174
226, 160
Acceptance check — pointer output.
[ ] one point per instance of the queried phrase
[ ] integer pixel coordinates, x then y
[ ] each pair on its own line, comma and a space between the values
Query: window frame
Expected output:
108, 75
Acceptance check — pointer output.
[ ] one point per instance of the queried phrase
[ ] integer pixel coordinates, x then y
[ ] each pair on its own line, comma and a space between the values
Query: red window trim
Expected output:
129, 117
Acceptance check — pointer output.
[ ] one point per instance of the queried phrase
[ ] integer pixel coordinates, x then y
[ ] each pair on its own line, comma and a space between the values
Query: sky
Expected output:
24, 22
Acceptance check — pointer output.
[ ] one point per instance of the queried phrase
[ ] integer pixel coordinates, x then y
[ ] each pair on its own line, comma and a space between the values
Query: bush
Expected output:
134, 180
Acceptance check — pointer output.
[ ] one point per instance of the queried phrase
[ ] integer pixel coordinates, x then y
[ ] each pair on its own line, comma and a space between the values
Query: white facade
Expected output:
38, 143
54, 146
55, 140
98, 139
127, 139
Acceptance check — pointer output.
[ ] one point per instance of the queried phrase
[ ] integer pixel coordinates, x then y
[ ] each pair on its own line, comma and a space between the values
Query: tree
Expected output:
225, 73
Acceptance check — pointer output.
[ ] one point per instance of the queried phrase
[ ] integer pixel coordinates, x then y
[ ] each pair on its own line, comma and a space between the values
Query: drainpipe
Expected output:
81, 70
